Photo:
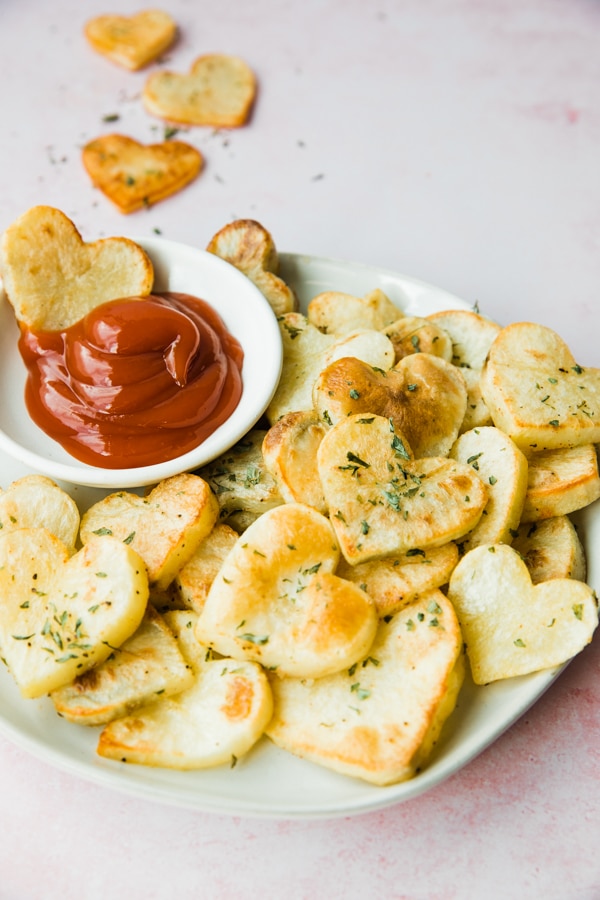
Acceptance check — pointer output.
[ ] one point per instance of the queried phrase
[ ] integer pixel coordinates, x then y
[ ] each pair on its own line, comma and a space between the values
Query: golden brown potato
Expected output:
132, 41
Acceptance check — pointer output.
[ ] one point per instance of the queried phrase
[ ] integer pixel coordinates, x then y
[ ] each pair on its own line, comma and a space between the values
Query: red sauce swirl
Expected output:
137, 381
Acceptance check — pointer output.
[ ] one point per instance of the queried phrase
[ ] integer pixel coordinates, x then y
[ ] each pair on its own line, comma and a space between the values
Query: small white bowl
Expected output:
177, 267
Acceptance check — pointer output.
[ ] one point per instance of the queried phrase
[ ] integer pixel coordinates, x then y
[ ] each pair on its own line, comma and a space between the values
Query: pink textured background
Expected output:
453, 140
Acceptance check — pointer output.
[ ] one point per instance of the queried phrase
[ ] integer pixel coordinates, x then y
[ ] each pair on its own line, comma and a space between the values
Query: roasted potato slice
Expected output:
512, 627
165, 527
276, 600
551, 549
414, 334
379, 719
382, 502
560, 482
289, 451
192, 583
147, 665
424, 396
132, 41
61, 614
248, 246
36, 501
52, 278
503, 469
336, 312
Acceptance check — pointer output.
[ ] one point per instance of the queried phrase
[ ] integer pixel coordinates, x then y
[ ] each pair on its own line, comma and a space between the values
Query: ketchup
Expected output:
137, 381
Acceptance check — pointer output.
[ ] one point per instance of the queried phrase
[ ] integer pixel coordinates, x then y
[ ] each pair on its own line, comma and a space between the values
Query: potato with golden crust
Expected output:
380, 719
146, 665
35, 501
424, 396
61, 614
134, 175
512, 627
219, 91
289, 451
551, 548
384, 502
215, 721
277, 601
248, 246
52, 278
165, 527
336, 312
414, 334
561, 482
132, 41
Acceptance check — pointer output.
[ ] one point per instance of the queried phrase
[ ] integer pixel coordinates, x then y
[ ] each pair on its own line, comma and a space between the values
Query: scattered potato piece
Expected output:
306, 351
134, 175
276, 600
379, 720
241, 482
551, 549
424, 396
382, 502
503, 469
218, 91
335, 312
53, 279
146, 665
561, 481
251, 249
395, 581
132, 41
537, 393
290, 454
165, 527
512, 627
35, 501
214, 722
472, 336
60, 614
414, 334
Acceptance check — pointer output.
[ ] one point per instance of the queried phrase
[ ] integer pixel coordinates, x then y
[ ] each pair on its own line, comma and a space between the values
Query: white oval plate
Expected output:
177, 267
269, 782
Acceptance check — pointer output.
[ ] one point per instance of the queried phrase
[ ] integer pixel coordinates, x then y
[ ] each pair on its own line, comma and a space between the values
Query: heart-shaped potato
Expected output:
276, 600
132, 41
249, 247
307, 351
52, 278
380, 719
561, 482
551, 549
165, 527
146, 665
512, 627
213, 722
134, 175
537, 393
35, 501
289, 451
335, 312
219, 91
423, 395
62, 614
383, 502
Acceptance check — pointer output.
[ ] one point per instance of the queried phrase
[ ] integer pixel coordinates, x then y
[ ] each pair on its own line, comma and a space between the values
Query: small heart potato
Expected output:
537, 393
219, 90
382, 502
512, 627
52, 278
62, 614
276, 600
132, 41
134, 175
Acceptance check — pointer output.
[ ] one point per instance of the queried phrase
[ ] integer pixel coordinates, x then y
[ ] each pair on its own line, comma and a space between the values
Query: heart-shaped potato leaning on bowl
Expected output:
53, 278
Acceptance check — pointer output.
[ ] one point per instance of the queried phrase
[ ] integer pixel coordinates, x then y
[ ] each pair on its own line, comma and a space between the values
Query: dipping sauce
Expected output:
137, 381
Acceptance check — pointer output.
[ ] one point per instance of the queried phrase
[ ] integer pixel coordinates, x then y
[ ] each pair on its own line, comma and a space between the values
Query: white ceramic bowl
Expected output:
178, 267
